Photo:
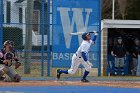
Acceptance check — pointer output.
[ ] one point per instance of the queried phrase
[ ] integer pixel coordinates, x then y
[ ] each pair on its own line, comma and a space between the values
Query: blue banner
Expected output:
73, 16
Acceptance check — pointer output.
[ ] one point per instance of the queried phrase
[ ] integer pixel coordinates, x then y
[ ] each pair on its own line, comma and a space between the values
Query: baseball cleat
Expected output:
84, 80
58, 74
2, 78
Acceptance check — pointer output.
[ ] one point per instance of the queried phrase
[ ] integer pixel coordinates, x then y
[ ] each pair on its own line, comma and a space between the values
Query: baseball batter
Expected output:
80, 57
7, 55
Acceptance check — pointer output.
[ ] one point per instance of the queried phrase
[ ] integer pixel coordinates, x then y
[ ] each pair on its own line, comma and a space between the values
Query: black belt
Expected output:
76, 55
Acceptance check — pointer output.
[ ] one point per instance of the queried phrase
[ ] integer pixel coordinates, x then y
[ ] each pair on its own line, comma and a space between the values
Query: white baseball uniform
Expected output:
77, 57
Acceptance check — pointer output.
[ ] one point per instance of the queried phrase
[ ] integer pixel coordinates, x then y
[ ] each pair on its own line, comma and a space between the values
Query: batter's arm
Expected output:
94, 38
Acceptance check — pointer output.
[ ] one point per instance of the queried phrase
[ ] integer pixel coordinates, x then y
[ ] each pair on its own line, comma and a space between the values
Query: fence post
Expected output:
99, 66
48, 38
28, 38
1, 23
42, 46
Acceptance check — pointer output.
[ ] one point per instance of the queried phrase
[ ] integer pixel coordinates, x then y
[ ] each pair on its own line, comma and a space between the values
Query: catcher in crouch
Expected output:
7, 56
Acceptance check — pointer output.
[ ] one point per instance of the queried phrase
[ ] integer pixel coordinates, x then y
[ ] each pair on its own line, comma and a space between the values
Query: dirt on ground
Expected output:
124, 84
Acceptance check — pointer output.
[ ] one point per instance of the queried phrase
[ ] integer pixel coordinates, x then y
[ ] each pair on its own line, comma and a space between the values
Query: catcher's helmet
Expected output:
84, 35
6, 42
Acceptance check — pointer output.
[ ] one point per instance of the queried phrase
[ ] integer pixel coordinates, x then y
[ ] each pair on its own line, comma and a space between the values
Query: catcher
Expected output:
7, 56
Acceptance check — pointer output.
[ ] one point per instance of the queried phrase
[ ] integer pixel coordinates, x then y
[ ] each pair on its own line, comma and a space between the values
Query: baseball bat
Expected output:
80, 33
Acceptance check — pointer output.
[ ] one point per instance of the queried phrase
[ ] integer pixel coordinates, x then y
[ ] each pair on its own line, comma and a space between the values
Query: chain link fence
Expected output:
34, 49
28, 32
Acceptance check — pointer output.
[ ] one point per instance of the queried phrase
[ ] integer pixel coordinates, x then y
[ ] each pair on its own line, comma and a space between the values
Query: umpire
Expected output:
119, 52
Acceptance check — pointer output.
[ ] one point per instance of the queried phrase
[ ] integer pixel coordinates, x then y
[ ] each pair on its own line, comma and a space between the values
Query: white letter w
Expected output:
77, 19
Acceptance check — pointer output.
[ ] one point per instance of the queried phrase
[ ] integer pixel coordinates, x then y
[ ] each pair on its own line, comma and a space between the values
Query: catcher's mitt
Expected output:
17, 65
8, 56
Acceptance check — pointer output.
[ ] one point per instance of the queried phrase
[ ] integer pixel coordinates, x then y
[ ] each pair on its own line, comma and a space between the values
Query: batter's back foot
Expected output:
84, 80
58, 73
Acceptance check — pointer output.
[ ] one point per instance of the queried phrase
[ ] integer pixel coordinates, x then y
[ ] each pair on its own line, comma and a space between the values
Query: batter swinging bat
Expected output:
80, 33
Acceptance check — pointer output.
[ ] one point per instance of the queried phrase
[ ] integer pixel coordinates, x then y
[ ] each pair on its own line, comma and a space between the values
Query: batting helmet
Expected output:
84, 35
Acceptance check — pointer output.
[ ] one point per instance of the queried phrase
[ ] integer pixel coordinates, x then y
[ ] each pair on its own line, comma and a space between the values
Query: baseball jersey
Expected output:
84, 47
2, 53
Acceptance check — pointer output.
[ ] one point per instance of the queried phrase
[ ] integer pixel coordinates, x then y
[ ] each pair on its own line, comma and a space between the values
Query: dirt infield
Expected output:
124, 84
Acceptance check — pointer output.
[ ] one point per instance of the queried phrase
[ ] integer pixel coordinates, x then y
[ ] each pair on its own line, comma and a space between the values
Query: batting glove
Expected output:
95, 33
